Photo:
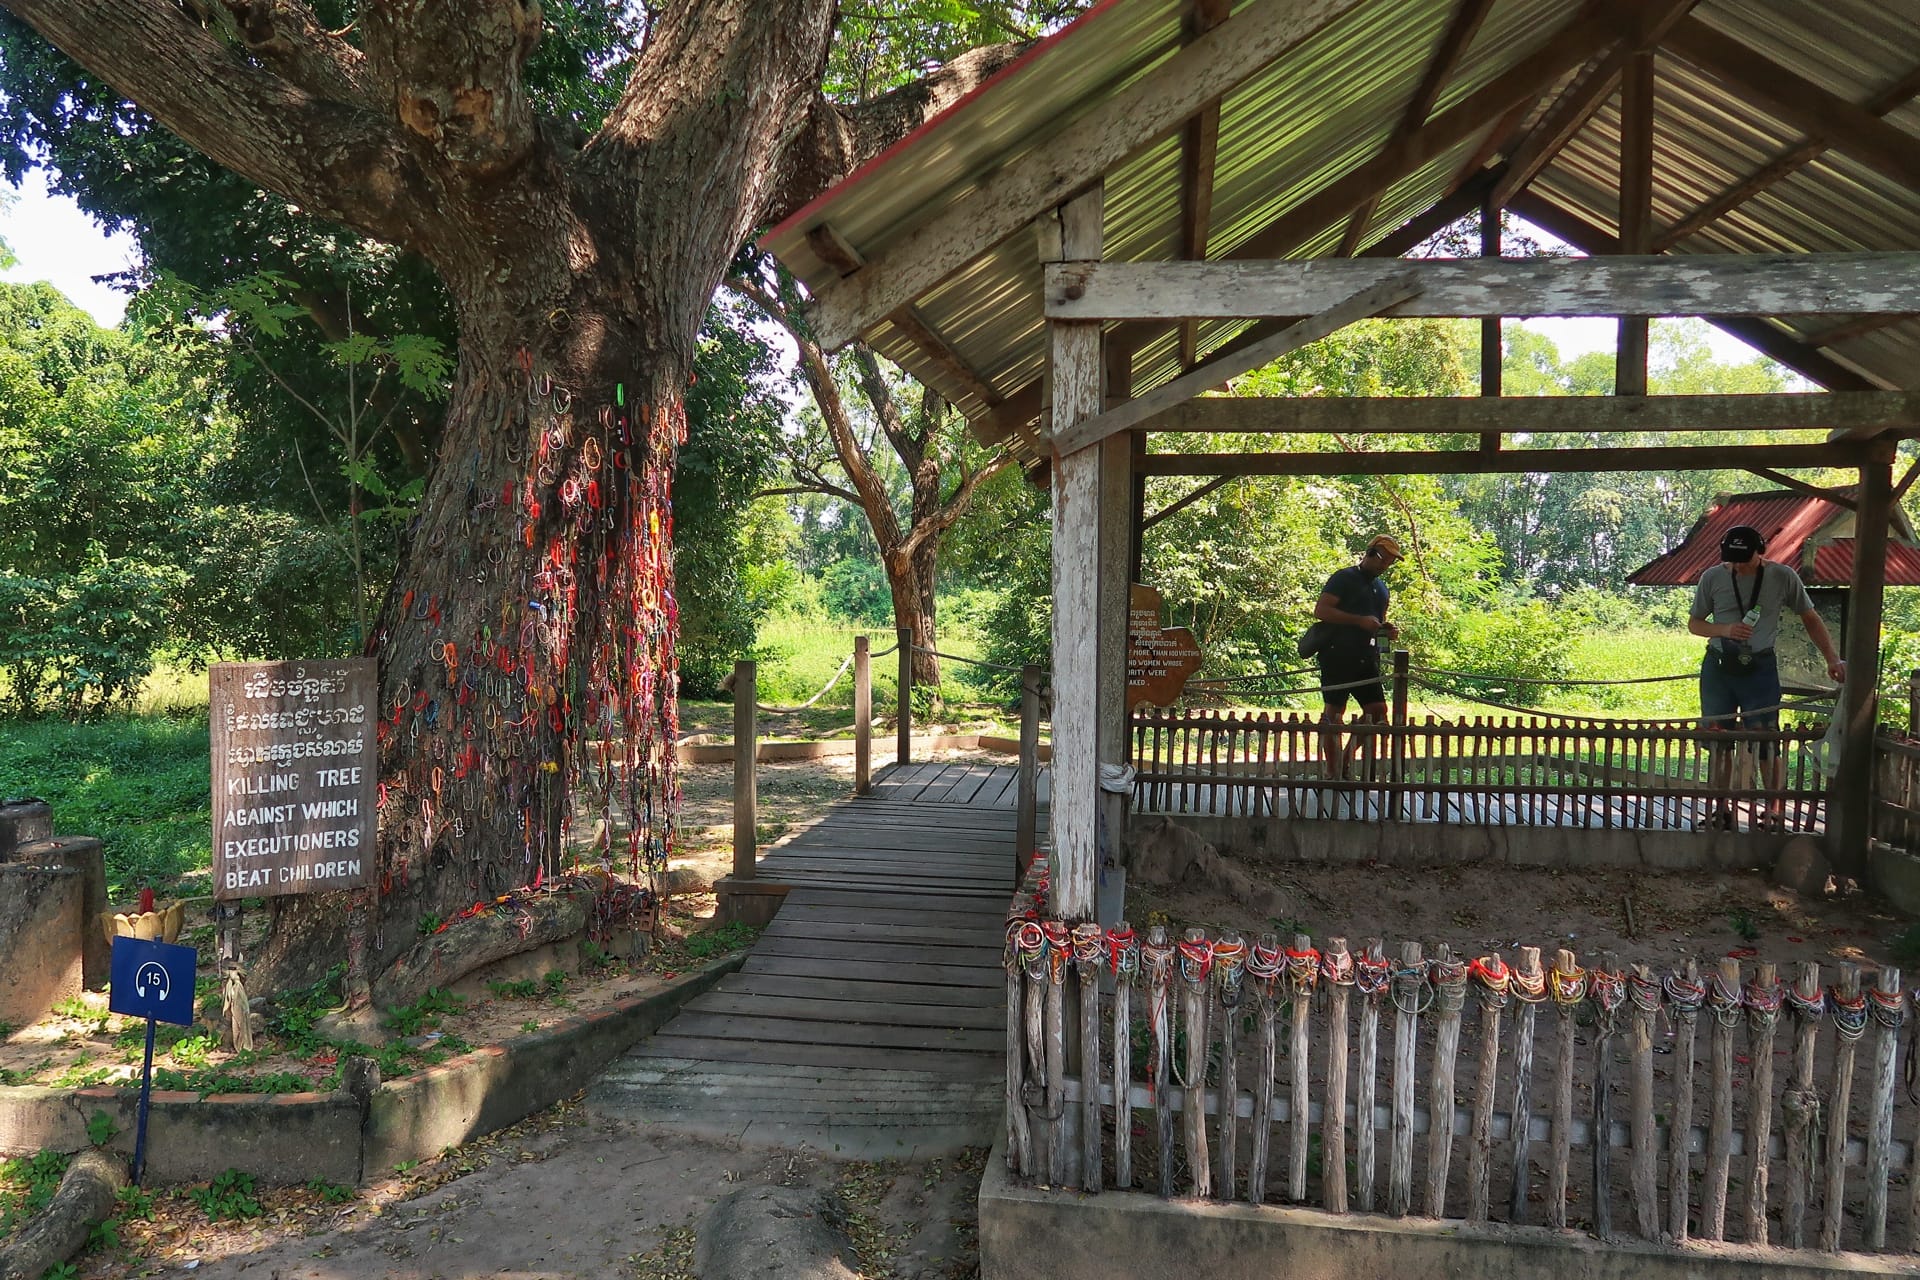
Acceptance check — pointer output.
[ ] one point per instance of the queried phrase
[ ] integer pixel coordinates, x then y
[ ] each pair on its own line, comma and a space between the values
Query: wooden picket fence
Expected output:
1253, 1071
1896, 792
1485, 771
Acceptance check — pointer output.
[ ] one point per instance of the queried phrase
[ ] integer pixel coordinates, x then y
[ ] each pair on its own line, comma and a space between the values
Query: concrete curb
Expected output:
293, 1137
1030, 1232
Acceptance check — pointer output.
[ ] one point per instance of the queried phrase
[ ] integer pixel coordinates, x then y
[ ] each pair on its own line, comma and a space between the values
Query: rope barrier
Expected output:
1481, 675
787, 711
972, 662
1655, 722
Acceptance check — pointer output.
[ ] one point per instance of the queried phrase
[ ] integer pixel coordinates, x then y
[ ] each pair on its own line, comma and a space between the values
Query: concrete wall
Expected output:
1030, 1234
1430, 844
40, 920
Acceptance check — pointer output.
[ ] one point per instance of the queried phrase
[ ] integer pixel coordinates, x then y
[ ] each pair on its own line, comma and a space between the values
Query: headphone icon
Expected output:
152, 974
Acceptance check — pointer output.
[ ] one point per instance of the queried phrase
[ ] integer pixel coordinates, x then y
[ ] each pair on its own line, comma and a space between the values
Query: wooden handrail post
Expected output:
903, 755
746, 751
1398, 767
862, 715
1913, 704
1026, 808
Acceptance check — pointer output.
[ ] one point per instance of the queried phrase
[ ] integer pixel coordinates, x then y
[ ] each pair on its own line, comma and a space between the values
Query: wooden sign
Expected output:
294, 776
1159, 659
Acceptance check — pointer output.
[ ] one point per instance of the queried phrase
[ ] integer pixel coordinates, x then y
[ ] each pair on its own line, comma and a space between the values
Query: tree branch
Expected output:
454, 70
938, 522
886, 410
285, 35
331, 157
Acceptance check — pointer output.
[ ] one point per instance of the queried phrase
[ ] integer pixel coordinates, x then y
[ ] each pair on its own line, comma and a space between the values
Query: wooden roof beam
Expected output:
1477, 462
1636, 209
1008, 200
1798, 485
1791, 161
1199, 150
1798, 101
1459, 33
1772, 341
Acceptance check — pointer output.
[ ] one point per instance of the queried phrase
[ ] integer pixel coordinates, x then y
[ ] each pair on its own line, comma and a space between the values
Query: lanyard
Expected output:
1759, 580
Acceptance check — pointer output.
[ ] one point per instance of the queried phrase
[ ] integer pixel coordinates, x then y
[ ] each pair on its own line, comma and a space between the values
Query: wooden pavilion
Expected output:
1168, 193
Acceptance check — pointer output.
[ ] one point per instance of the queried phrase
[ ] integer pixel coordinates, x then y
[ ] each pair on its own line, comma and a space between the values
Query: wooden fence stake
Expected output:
1449, 997
903, 736
1059, 951
1887, 1008
1338, 970
1303, 972
1229, 974
1799, 1104
1156, 958
1723, 1000
1850, 1022
1124, 956
1196, 958
1569, 982
1530, 983
1608, 993
746, 750
1409, 991
862, 715
1371, 977
1019, 1138
1643, 992
1087, 946
1763, 1014
1266, 966
1034, 961
1495, 991
1684, 1001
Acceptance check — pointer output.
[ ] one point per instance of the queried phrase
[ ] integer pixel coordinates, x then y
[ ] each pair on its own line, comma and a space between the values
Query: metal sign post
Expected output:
151, 980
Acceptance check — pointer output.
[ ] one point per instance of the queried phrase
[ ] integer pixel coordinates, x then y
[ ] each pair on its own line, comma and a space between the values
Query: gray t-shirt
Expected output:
1720, 597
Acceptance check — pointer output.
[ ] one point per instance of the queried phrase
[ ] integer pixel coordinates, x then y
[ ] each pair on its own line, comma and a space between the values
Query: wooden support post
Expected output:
1333, 1120
1156, 961
1019, 1135
1495, 992
1850, 1022
1229, 972
1087, 946
1073, 234
1685, 1015
1036, 1086
1723, 1001
1569, 984
1193, 1083
1372, 966
1449, 998
1800, 1104
1888, 1011
1059, 949
1851, 798
1636, 209
1763, 1013
903, 723
1303, 974
1913, 704
1490, 340
234, 1002
862, 715
746, 753
1124, 955
1529, 982
1644, 996
1397, 761
1408, 993
1026, 822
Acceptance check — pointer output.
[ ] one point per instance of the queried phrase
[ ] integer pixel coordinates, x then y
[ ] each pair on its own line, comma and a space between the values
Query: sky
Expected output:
56, 242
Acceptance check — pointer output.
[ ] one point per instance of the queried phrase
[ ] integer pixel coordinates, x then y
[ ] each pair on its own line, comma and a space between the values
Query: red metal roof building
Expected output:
1814, 535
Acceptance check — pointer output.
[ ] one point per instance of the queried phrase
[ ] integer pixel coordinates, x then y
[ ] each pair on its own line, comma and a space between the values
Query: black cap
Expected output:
1740, 543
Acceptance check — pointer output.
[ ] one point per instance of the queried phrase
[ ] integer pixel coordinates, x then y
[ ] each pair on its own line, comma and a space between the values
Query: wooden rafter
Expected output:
1459, 33
1174, 508
1476, 462
1848, 330
1758, 333
1798, 485
1791, 161
1199, 148
1798, 101
1150, 107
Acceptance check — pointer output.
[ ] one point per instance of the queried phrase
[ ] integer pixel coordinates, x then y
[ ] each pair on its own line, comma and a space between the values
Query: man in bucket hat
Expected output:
1737, 609
1353, 604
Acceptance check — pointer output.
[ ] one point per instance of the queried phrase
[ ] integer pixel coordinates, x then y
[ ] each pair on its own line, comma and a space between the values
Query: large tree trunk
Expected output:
911, 578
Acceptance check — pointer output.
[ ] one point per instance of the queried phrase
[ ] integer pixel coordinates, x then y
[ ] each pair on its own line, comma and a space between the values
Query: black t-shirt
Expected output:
1356, 591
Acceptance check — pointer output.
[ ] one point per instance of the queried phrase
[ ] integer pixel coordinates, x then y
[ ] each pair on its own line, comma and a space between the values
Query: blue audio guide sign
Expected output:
152, 980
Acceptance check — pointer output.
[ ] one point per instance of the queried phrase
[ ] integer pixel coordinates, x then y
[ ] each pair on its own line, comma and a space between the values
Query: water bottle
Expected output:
1752, 616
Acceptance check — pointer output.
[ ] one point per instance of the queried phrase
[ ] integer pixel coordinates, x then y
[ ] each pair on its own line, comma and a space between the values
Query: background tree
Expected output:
578, 260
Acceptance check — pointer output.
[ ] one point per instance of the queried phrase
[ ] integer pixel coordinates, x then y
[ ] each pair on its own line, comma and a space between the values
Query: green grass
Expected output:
139, 783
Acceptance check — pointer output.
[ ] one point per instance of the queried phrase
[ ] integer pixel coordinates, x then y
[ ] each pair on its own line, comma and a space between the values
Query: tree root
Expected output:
57, 1232
526, 921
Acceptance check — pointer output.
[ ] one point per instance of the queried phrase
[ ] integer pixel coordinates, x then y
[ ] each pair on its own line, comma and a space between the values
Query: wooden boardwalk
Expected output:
869, 1019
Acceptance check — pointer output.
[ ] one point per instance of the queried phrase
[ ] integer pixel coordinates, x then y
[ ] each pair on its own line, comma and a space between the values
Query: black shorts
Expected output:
1343, 667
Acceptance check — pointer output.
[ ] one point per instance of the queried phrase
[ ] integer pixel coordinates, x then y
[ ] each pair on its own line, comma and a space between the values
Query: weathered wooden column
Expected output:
862, 715
1491, 347
1072, 233
1116, 568
1849, 816
1636, 209
746, 750
1027, 796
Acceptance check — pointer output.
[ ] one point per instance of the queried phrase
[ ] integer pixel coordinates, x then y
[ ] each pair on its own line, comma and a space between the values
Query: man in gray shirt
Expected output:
1737, 608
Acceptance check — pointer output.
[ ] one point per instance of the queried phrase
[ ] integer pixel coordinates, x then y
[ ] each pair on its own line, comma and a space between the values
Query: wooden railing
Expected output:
1217, 1068
1896, 792
1505, 771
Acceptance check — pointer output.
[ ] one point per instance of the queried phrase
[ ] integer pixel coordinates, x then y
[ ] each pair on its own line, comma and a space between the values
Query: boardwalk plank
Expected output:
726, 1026
881, 953
954, 1065
952, 975
882, 1012
899, 993
893, 931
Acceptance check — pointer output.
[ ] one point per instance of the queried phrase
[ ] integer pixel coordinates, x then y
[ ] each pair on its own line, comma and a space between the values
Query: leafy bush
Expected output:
1503, 647
80, 641
857, 591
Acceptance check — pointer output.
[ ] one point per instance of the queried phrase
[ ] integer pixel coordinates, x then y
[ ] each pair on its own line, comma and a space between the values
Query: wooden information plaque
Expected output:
1159, 659
294, 776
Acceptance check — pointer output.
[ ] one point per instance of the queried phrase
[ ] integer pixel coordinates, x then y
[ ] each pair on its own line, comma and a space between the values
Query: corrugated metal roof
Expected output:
1800, 530
1330, 105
